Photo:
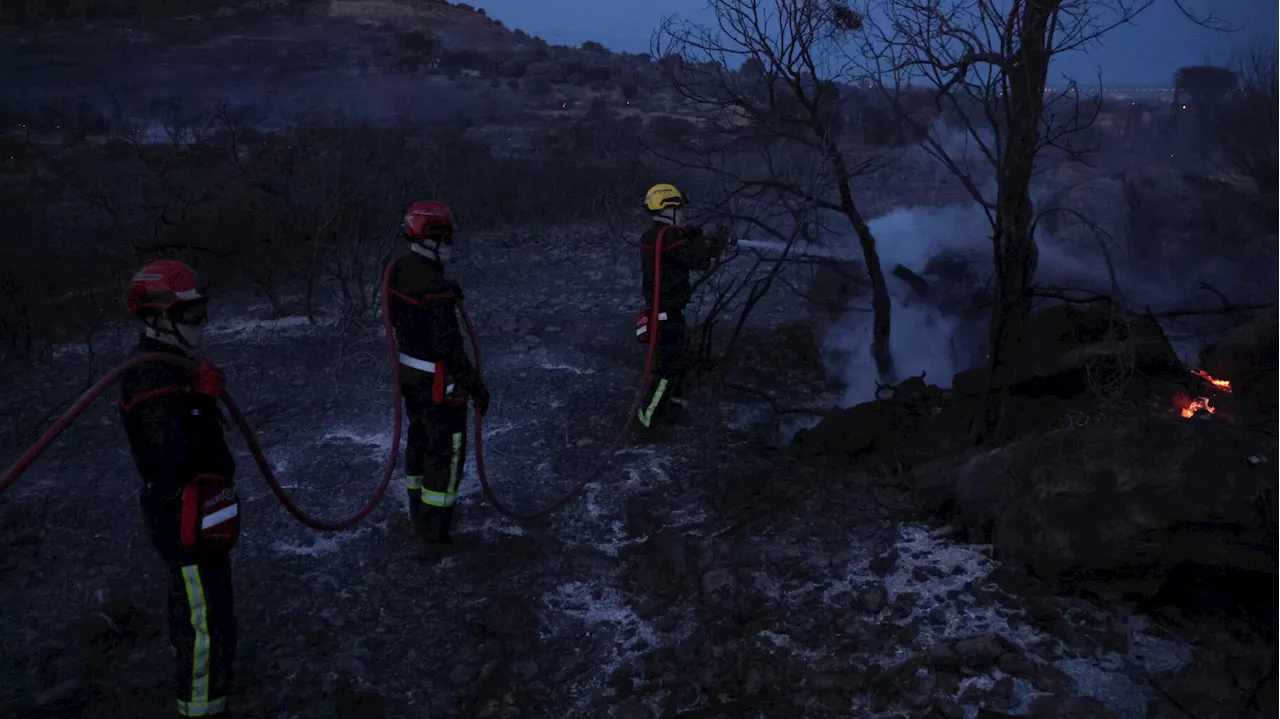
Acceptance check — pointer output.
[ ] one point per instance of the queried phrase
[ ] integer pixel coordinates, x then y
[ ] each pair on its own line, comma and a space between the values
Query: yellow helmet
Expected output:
662, 196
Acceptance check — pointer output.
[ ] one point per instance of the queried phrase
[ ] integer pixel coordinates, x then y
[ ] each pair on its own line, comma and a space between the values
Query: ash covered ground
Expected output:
707, 575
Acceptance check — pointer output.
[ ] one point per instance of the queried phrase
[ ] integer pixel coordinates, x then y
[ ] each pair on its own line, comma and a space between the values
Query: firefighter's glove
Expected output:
480, 398
210, 380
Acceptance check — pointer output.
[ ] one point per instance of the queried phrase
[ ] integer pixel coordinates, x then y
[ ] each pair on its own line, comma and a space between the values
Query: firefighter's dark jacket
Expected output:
684, 250
175, 434
424, 318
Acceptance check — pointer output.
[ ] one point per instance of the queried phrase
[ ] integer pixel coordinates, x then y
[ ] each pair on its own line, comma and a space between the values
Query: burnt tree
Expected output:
988, 65
784, 109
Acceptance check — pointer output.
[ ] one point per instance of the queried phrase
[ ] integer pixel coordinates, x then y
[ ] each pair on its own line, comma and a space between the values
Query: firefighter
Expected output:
175, 432
436, 376
684, 250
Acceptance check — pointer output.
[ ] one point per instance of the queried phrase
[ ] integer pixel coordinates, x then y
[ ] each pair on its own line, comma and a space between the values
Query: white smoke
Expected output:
923, 340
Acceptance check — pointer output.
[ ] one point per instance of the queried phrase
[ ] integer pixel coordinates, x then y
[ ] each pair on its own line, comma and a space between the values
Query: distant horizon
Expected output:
1145, 53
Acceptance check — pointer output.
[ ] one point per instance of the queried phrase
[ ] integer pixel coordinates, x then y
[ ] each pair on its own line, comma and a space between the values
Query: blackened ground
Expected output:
706, 574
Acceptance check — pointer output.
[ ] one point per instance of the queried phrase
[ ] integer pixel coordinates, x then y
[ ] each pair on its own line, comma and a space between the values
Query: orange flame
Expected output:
1188, 407
1222, 384
1197, 404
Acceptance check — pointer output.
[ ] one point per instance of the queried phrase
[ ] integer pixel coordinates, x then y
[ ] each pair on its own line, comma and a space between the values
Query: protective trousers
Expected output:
670, 362
435, 456
202, 632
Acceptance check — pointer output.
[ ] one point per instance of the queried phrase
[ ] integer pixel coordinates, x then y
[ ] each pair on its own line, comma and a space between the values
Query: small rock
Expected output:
948, 683
524, 670
949, 708
1012, 578
1068, 633
462, 674
1051, 680
1017, 665
885, 563
943, 654
632, 709
979, 651
717, 580
648, 608
584, 442
1054, 707
921, 691
832, 702
873, 598
352, 666
1002, 695
665, 623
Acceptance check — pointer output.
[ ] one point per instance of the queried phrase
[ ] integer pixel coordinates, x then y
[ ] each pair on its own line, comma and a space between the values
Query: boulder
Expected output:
1174, 212
1248, 352
1122, 503
1246, 356
1065, 344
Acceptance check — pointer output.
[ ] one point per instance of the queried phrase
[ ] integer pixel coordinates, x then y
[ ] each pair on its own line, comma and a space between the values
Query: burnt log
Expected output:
914, 281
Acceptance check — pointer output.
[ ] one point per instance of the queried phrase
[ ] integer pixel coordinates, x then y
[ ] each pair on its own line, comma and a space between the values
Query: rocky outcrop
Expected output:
1246, 357
1066, 347
1121, 503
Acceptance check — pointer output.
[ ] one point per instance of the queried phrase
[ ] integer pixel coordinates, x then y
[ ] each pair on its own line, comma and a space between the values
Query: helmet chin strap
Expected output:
433, 250
170, 335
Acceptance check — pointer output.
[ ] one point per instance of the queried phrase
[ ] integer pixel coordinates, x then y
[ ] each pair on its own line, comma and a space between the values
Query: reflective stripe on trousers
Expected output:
201, 648
449, 496
646, 413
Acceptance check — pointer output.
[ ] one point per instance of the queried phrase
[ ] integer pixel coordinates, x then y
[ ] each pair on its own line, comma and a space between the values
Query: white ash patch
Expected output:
790, 427
1111, 687
498, 429
1155, 655
323, 544
235, 327
379, 439
494, 525
553, 367
787, 644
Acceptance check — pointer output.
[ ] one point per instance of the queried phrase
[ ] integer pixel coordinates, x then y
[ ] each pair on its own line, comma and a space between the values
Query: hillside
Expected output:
375, 58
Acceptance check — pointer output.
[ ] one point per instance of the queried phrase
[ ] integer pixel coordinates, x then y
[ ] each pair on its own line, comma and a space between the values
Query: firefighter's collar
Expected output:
439, 254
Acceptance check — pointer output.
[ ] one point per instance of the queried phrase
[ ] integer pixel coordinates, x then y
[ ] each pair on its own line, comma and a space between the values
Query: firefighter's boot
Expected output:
432, 530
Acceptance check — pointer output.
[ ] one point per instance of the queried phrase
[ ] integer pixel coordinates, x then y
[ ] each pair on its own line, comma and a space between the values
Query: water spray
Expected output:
797, 248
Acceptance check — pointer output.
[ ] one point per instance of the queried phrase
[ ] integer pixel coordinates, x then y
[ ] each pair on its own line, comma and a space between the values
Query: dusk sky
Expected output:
1146, 53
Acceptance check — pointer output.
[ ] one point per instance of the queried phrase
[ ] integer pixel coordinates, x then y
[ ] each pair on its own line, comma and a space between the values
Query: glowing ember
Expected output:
1197, 404
1222, 384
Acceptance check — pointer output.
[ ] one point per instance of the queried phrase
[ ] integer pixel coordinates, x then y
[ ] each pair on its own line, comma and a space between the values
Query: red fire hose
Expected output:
617, 440
98, 389
238, 418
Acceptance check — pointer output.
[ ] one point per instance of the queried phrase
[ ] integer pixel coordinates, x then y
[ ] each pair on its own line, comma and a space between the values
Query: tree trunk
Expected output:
879, 290
1013, 238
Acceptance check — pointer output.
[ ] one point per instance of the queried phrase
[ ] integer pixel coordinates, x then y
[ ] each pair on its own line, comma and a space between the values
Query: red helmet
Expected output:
160, 285
429, 220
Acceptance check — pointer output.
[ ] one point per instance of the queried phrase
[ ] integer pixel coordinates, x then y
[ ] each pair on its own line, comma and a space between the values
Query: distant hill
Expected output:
456, 24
